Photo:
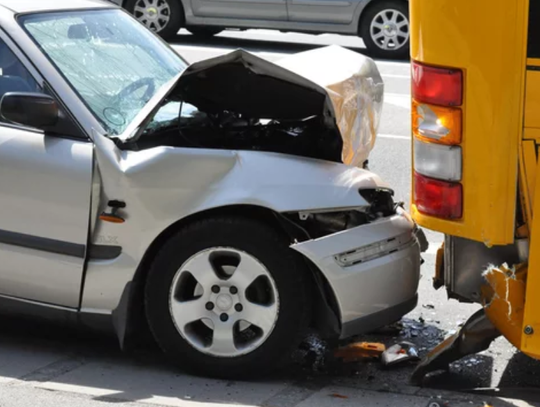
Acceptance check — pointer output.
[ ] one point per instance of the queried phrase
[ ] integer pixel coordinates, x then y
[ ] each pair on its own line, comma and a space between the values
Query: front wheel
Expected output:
227, 297
385, 29
164, 17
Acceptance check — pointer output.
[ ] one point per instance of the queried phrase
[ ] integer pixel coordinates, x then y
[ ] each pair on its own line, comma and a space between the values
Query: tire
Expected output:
193, 346
204, 32
170, 28
398, 45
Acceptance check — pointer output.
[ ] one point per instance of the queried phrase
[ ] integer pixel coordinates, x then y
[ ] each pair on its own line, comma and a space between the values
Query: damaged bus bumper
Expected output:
372, 269
473, 278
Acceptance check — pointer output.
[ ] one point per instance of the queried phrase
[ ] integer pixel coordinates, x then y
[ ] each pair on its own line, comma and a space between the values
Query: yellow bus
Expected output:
476, 130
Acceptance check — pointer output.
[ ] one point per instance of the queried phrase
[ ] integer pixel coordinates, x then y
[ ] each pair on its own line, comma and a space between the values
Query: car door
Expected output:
322, 11
44, 200
241, 9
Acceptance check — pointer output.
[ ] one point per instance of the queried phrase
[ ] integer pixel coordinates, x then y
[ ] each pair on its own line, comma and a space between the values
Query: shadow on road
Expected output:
62, 358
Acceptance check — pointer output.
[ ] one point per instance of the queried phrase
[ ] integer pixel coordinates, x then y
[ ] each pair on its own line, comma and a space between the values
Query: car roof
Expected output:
28, 6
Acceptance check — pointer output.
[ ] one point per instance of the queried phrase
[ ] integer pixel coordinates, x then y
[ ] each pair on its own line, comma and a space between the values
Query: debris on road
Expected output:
312, 352
360, 350
400, 353
413, 329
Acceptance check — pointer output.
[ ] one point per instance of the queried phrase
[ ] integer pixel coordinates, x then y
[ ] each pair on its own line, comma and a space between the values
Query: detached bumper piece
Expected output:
475, 336
400, 353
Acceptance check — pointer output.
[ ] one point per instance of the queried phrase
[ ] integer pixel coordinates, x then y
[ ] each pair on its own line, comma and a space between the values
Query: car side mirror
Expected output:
29, 109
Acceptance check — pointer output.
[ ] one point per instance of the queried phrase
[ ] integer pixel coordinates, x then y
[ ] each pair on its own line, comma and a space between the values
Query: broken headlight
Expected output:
381, 202
327, 223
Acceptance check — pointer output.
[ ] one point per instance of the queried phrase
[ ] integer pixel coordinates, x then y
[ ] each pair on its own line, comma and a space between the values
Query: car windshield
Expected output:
113, 63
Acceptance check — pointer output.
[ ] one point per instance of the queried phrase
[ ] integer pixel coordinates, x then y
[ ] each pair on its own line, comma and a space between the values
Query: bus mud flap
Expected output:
475, 336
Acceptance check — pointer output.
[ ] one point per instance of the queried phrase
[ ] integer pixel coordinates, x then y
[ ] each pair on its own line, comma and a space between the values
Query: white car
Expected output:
208, 201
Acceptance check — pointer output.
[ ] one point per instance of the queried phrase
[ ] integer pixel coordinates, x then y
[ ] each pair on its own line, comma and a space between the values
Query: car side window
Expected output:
14, 77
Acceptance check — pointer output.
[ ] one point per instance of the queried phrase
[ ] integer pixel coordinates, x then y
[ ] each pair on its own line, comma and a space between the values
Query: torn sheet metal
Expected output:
356, 90
475, 336
504, 299
463, 274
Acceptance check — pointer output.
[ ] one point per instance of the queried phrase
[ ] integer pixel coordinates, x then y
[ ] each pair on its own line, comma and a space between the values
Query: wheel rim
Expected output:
224, 302
154, 14
390, 30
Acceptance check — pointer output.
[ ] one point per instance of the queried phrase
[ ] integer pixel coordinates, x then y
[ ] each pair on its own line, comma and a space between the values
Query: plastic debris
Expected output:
360, 350
429, 306
400, 353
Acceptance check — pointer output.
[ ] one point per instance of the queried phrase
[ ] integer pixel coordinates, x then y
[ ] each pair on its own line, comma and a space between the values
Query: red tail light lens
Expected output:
438, 198
438, 86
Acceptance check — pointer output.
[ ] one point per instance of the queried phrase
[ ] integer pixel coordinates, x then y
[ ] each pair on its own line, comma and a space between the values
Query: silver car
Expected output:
139, 191
382, 24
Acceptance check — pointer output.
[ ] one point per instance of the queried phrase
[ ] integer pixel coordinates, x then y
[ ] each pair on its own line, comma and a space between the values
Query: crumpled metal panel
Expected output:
356, 90
163, 185
463, 273
504, 299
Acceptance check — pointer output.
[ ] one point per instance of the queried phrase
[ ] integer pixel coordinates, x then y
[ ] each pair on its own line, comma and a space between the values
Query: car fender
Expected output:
163, 185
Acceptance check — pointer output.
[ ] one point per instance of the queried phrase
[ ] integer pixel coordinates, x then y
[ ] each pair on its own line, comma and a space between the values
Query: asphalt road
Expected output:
61, 367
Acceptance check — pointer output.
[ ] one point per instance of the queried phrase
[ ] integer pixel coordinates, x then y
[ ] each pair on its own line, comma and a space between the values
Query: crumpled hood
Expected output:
339, 85
242, 82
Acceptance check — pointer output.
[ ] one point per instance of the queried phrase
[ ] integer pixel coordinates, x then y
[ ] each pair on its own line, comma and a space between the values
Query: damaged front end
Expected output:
241, 102
467, 269
359, 252
317, 224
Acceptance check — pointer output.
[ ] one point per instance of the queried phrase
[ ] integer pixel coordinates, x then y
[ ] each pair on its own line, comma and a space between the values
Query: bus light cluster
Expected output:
437, 130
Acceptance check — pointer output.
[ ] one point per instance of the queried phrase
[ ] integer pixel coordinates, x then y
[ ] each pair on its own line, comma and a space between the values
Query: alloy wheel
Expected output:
389, 29
224, 302
154, 14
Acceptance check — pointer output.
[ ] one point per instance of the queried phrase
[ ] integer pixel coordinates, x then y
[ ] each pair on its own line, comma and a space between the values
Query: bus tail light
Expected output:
438, 86
437, 161
438, 132
438, 198
436, 124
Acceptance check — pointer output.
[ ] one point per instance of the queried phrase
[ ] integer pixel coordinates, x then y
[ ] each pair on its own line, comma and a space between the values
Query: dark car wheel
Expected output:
385, 29
164, 17
227, 297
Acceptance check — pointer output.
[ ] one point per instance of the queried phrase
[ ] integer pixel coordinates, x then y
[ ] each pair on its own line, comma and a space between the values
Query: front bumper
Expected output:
373, 270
